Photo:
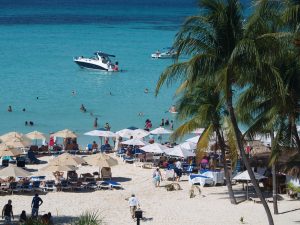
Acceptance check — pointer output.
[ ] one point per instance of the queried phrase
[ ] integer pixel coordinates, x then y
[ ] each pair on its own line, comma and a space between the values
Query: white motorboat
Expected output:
100, 61
170, 53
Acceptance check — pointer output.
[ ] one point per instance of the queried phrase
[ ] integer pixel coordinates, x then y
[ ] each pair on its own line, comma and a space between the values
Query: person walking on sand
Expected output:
7, 213
133, 204
35, 205
157, 177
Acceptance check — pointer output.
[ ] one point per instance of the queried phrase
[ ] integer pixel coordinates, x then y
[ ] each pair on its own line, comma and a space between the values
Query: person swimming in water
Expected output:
9, 108
172, 109
146, 91
82, 108
96, 122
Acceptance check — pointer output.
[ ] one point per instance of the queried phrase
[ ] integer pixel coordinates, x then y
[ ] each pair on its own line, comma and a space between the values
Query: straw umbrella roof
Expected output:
54, 168
10, 135
36, 135
65, 134
67, 159
14, 171
6, 150
101, 160
17, 142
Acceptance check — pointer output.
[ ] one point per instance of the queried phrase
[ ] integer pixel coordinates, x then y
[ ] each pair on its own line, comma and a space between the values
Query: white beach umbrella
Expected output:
193, 139
180, 152
100, 133
64, 134
154, 148
140, 133
125, 133
188, 145
161, 130
198, 131
14, 171
135, 142
244, 176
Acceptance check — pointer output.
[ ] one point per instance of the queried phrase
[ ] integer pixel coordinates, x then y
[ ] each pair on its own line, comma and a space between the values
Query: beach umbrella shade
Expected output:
14, 171
154, 148
140, 133
10, 135
36, 135
101, 160
15, 142
125, 133
198, 131
244, 176
188, 145
180, 152
54, 168
128, 133
161, 130
135, 142
100, 133
65, 134
193, 139
6, 150
67, 159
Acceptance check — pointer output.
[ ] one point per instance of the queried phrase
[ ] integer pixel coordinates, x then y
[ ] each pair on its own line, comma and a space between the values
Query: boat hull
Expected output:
89, 65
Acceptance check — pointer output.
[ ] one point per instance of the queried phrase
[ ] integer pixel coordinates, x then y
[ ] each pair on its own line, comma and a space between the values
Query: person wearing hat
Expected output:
133, 204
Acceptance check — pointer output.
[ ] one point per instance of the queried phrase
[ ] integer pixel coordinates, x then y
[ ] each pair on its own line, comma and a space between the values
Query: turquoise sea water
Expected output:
38, 40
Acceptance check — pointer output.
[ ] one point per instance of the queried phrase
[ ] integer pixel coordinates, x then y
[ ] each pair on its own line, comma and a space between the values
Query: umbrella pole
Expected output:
247, 196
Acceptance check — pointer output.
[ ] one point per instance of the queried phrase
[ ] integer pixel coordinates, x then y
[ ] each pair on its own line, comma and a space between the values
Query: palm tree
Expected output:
276, 108
202, 106
214, 39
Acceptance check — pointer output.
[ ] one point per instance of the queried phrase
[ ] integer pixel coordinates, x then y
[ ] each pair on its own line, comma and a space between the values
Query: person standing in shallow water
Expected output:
96, 122
9, 108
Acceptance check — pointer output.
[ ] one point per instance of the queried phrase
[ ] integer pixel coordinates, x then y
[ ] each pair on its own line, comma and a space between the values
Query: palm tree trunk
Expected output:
274, 181
237, 133
227, 177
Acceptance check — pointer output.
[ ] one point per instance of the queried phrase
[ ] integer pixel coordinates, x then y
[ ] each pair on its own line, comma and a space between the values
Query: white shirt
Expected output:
133, 201
178, 165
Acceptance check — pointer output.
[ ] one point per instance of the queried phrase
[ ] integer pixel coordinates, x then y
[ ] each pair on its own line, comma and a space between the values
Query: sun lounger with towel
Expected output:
109, 184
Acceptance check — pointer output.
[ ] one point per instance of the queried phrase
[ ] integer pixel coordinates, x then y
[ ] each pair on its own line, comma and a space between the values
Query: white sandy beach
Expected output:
160, 206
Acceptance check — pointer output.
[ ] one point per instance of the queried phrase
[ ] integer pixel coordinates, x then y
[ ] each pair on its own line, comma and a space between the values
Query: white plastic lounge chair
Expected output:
200, 179
109, 185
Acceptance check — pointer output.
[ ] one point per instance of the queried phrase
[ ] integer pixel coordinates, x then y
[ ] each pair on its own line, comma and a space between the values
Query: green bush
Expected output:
293, 188
89, 218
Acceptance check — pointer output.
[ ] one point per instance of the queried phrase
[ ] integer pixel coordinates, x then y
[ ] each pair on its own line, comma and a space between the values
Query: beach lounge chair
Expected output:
26, 187
36, 186
13, 187
64, 185
200, 179
49, 185
5, 162
129, 159
106, 173
109, 184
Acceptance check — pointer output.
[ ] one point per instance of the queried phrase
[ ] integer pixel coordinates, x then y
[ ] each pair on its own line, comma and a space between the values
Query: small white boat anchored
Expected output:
100, 61
168, 54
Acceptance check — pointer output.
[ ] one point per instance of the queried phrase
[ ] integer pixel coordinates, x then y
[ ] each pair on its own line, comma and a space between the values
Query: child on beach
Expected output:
157, 177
